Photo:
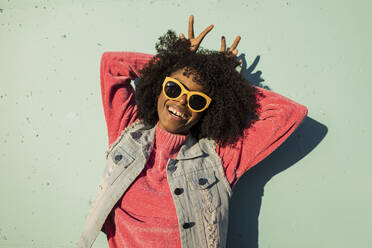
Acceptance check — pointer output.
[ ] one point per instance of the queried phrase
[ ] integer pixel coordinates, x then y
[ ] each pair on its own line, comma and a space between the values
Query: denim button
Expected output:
118, 157
187, 225
178, 191
202, 181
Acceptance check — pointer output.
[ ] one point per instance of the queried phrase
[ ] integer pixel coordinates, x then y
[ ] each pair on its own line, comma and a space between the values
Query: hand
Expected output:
232, 52
195, 42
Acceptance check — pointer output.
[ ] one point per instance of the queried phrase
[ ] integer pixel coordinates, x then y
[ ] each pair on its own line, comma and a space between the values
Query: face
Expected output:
184, 119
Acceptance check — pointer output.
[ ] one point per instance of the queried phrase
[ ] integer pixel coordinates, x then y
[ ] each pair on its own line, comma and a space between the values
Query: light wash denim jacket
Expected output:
196, 179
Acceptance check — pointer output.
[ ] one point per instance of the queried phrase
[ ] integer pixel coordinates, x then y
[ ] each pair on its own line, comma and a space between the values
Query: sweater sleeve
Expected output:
116, 72
278, 117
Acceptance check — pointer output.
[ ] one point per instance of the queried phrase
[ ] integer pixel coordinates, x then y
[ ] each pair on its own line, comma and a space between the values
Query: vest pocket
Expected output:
117, 161
204, 190
120, 157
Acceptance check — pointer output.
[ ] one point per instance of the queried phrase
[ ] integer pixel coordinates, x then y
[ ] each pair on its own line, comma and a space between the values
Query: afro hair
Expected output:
234, 103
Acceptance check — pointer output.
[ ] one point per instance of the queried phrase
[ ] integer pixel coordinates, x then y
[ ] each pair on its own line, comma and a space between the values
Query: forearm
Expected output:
116, 72
278, 117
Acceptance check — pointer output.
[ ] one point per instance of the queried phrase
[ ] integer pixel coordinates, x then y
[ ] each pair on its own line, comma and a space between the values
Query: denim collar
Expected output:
144, 136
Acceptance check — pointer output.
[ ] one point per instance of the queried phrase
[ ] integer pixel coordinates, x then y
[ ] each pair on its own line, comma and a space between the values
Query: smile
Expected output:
177, 113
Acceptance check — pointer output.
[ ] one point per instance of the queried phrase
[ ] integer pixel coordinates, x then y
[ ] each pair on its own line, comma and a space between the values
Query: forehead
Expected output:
186, 80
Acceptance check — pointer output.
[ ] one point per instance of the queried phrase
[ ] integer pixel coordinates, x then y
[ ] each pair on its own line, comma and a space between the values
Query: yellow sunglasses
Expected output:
197, 101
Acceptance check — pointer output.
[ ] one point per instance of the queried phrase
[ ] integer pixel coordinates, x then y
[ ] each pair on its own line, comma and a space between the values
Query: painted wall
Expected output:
314, 191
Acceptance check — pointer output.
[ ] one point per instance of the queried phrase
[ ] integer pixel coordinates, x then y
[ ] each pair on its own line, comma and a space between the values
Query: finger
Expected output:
191, 27
182, 36
204, 33
223, 44
240, 61
235, 52
235, 44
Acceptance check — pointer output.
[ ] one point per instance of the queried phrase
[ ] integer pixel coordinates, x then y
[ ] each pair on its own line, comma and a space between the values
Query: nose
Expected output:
183, 99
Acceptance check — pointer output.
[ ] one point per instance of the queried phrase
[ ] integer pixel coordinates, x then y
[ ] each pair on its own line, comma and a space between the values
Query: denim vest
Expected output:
196, 179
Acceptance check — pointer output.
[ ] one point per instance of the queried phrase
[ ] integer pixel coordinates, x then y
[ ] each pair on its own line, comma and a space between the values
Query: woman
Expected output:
180, 143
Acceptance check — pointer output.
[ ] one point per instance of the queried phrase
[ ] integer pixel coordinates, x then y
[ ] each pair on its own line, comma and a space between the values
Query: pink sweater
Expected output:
146, 216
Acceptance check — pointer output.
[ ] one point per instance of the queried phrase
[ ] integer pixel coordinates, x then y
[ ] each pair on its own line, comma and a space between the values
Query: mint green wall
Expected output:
315, 191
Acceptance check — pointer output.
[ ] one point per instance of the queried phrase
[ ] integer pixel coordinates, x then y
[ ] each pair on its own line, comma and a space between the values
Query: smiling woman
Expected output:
180, 142
176, 115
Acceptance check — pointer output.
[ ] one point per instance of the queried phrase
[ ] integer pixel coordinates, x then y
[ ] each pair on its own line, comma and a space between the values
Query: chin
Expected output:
172, 124
175, 130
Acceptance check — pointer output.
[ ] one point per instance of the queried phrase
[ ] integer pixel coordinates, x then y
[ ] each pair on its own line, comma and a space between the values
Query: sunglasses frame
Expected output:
188, 93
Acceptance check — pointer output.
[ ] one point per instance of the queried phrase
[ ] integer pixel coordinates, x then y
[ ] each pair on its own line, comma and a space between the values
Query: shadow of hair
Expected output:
247, 72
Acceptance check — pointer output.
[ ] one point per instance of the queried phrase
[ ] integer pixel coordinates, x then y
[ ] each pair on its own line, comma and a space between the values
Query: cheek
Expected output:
161, 110
159, 102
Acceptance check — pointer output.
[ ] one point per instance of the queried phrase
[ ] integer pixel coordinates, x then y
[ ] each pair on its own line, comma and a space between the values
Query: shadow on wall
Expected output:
246, 201
245, 204
247, 72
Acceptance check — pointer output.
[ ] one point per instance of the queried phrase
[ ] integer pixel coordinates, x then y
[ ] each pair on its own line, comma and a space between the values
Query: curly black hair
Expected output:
234, 103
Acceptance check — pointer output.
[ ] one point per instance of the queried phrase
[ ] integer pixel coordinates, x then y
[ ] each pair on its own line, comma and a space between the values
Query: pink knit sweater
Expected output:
146, 216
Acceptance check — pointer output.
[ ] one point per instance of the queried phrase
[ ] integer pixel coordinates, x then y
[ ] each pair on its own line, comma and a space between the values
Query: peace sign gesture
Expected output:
195, 42
232, 52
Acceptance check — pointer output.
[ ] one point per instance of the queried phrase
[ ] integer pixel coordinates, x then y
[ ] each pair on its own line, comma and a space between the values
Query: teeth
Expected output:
175, 112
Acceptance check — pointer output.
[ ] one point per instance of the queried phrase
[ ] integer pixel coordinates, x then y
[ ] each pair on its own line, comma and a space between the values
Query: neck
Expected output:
167, 141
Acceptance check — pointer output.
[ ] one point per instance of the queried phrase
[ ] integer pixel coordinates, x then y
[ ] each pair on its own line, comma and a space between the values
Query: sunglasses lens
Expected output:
197, 102
172, 89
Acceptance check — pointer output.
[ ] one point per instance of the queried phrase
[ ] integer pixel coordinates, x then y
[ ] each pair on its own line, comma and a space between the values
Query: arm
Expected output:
116, 72
278, 118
